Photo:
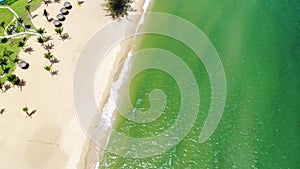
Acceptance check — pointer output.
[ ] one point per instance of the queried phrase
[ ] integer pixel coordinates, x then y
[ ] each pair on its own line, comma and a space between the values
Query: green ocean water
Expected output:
259, 45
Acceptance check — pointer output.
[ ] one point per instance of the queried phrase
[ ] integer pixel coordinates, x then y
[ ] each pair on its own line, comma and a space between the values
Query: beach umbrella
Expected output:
67, 5
23, 64
64, 11
80, 1
60, 17
57, 23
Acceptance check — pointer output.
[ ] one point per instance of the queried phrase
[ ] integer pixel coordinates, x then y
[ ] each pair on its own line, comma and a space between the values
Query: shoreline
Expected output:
93, 153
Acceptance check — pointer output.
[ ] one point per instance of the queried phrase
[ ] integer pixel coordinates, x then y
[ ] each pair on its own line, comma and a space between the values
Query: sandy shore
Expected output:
53, 137
102, 90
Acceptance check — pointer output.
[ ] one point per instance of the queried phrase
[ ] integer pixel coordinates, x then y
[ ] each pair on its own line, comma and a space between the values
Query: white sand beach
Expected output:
53, 138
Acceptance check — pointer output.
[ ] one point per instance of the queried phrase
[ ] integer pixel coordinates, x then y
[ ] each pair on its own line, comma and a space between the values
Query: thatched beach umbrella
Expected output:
64, 11
23, 64
67, 5
57, 23
60, 17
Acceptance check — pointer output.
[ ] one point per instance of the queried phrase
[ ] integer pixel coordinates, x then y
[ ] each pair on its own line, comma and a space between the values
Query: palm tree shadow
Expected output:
7, 87
21, 84
28, 50
48, 38
54, 60
50, 20
49, 46
65, 36
35, 15
2, 111
54, 72
31, 113
47, 2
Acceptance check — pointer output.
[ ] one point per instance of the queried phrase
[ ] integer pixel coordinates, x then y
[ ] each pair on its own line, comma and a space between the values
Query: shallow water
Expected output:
258, 44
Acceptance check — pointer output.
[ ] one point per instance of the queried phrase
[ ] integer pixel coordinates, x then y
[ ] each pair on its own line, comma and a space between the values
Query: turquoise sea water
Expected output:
258, 44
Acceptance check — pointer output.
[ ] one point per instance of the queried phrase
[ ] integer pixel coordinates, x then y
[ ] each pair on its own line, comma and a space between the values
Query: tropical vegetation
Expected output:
46, 14
9, 48
8, 60
118, 8
59, 31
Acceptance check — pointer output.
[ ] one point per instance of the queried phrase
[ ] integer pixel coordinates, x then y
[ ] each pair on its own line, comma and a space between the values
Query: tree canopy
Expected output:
118, 8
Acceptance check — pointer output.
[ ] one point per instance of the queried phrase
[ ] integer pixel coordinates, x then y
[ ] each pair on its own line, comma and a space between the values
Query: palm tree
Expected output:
25, 109
20, 20
14, 59
5, 69
118, 8
13, 79
41, 31
2, 24
3, 61
7, 53
48, 68
46, 14
9, 31
41, 40
21, 44
48, 55
27, 7
2, 85
59, 31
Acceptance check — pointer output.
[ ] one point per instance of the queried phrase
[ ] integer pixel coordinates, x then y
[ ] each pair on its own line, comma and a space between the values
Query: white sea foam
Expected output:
142, 19
110, 106
104, 124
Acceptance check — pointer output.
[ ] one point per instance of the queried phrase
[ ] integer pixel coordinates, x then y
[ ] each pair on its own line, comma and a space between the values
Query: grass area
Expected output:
12, 45
19, 7
6, 16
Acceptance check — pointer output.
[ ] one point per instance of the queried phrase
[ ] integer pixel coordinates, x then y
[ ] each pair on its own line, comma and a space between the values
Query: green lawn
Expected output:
12, 46
19, 7
7, 16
